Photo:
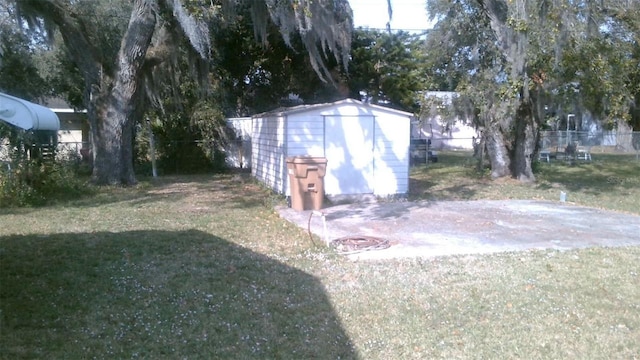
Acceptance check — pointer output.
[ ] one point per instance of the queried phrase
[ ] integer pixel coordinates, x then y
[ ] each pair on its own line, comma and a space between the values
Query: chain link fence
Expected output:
604, 141
611, 142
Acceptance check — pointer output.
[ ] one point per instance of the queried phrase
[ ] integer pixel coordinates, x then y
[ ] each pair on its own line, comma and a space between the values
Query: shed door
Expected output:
349, 150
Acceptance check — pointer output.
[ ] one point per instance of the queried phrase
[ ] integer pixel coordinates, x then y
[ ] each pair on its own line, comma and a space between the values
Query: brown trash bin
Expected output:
306, 181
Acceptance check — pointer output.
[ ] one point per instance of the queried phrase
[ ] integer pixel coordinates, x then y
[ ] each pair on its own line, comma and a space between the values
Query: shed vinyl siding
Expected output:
349, 149
305, 135
391, 155
268, 151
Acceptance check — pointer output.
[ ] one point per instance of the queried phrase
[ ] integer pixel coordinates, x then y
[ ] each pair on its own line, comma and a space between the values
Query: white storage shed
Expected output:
366, 146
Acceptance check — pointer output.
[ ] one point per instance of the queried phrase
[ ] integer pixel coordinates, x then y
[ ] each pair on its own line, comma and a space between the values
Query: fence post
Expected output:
152, 150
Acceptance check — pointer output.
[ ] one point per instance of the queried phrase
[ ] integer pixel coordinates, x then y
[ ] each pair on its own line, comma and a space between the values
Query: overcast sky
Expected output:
407, 14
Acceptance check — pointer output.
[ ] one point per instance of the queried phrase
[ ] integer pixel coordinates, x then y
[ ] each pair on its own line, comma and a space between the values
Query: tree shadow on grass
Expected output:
159, 294
459, 192
421, 187
596, 177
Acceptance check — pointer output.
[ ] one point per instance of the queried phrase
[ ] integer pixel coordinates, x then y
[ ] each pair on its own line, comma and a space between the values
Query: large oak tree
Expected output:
512, 59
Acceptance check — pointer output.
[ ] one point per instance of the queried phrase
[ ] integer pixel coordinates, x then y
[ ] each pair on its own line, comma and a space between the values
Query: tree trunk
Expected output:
512, 145
498, 151
526, 129
114, 121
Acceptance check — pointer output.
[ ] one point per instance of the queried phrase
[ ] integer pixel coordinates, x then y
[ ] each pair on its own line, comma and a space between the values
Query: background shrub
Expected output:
33, 183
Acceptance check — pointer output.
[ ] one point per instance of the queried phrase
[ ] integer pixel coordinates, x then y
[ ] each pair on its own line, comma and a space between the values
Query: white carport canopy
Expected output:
27, 115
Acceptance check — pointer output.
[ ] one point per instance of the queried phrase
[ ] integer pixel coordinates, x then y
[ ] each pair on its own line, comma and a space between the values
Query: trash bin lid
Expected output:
306, 159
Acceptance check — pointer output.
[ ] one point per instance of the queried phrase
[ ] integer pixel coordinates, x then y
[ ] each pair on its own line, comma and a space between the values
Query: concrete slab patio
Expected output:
427, 229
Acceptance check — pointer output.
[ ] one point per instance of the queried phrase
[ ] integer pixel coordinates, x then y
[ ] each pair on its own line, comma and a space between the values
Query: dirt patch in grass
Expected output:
209, 191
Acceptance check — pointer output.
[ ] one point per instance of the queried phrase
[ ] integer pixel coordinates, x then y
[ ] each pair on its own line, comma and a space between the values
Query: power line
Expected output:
394, 29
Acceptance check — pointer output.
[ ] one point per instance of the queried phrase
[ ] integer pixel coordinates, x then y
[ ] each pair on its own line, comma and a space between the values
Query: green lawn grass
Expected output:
609, 181
202, 267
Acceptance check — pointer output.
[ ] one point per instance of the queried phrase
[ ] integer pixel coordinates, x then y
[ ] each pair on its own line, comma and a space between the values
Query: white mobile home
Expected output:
445, 129
366, 146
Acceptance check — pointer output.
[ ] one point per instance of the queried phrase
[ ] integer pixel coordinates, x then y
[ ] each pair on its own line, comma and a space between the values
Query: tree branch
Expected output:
72, 27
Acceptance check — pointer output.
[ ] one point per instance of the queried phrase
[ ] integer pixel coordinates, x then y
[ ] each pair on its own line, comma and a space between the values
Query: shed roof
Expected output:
305, 108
